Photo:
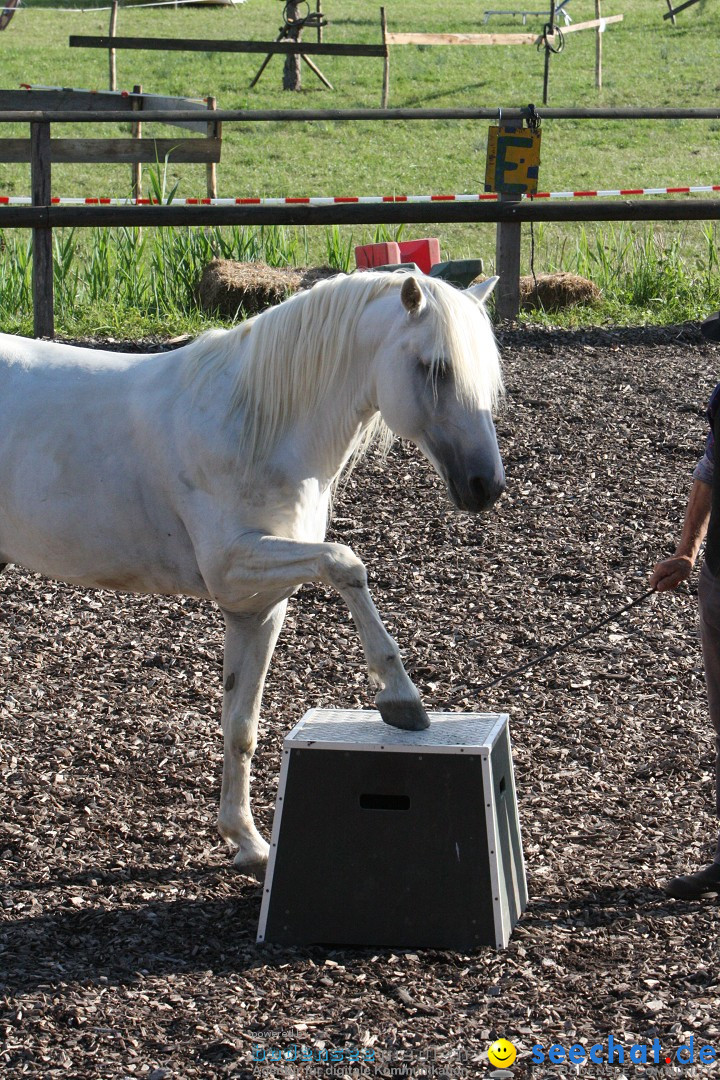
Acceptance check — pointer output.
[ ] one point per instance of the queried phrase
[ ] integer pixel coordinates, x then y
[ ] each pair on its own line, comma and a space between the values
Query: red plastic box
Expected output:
369, 255
424, 253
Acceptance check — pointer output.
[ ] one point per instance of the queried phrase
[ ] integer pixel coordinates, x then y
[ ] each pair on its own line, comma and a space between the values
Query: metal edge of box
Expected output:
502, 719
514, 804
298, 726
507, 928
401, 748
277, 819
492, 838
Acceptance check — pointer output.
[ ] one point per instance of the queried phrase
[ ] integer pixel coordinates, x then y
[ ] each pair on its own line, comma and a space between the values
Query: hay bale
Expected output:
245, 288
556, 291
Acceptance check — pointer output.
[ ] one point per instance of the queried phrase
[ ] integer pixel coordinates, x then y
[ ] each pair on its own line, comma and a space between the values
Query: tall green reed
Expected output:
15, 272
649, 270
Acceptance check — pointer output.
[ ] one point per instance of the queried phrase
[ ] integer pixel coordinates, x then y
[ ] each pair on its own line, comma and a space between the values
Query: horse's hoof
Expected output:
408, 715
255, 870
252, 858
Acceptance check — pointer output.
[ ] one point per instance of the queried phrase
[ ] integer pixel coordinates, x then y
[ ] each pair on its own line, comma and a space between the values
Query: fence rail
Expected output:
250, 116
286, 48
395, 213
96, 151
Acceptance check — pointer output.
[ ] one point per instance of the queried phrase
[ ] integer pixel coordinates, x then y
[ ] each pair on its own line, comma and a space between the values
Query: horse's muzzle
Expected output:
478, 493
468, 462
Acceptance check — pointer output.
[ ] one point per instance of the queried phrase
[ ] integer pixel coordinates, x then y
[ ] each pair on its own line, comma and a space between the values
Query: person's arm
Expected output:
669, 573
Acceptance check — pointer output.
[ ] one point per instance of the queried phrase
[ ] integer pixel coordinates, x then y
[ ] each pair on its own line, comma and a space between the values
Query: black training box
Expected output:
399, 839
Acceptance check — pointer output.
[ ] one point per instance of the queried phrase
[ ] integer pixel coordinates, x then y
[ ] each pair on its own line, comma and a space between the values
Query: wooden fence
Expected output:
215, 45
509, 215
550, 41
136, 150
41, 151
389, 39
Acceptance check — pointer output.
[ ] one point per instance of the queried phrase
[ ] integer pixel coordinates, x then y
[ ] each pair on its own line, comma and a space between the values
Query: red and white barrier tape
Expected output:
23, 200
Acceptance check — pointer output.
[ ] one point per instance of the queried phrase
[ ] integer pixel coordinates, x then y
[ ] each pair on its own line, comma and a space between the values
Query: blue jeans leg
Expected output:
709, 610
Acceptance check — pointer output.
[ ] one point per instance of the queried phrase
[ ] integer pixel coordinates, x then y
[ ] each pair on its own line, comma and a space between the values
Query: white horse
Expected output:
208, 471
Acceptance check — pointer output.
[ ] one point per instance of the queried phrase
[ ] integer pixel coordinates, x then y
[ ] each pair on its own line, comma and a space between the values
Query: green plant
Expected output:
15, 273
339, 250
65, 274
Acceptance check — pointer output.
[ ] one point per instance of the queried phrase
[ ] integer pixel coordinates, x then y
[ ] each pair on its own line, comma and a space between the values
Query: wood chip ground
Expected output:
127, 942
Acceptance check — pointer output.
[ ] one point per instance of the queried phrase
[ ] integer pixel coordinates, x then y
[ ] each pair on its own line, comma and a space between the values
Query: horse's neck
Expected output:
325, 440
322, 426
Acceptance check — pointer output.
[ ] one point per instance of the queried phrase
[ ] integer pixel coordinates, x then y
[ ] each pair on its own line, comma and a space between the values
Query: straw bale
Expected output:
556, 291
241, 289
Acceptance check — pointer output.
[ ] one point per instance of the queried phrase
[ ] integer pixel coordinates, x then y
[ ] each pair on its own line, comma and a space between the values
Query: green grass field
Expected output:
646, 62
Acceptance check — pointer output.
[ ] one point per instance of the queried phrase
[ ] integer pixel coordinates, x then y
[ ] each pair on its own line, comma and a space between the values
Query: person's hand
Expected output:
671, 572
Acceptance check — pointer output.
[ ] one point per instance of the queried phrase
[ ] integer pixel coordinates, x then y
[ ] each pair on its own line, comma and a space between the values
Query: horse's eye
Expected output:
437, 371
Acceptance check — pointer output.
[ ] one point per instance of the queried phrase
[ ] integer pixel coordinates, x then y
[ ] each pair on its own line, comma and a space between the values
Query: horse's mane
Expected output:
289, 361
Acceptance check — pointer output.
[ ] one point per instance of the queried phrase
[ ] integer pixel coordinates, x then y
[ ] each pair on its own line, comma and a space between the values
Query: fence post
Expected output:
386, 61
136, 132
291, 70
507, 265
42, 266
598, 46
214, 131
112, 55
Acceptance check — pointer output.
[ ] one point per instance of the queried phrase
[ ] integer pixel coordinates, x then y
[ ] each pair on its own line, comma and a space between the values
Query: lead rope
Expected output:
566, 644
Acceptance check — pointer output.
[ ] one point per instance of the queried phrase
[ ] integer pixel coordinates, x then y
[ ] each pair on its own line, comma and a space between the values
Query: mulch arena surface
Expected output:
127, 941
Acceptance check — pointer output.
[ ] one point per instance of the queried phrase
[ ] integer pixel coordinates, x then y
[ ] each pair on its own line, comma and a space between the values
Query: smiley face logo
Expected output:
502, 1054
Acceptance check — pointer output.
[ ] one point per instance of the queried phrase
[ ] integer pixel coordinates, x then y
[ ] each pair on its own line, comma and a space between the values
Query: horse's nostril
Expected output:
485, 491
479, 489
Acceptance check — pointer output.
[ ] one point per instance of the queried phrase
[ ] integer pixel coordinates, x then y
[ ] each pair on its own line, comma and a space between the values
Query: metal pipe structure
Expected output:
249, 116
395, 213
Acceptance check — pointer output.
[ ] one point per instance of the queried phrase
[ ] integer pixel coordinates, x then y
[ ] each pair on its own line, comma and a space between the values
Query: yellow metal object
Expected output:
513, 160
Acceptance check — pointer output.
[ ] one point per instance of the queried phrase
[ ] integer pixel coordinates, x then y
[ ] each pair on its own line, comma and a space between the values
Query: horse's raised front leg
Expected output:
249, 644
269, 562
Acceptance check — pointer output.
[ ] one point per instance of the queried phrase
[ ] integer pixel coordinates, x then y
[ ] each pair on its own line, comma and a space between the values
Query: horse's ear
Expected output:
412, 296
482, 291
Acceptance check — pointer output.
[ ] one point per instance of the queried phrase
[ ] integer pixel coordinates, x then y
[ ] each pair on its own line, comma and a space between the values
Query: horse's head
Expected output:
438, 379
